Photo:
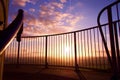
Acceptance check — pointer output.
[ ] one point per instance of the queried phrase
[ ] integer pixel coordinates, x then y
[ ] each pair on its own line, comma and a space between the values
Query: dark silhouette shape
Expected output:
1, 22
7, 35
113, 59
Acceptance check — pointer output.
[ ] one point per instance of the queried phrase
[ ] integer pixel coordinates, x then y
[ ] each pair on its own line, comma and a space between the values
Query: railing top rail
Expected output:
98, 19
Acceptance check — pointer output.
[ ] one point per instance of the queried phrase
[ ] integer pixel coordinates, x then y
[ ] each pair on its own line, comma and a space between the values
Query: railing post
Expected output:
114, 64
18, 55
75, 51
117, 45
46, 63
116, 36
19, 39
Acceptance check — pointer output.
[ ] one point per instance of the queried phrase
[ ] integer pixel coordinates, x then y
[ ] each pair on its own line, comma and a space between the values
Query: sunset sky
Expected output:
56, 16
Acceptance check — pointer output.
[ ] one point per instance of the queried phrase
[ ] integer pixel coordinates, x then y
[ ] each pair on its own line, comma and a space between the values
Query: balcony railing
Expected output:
112, 13
77, 49
81, 48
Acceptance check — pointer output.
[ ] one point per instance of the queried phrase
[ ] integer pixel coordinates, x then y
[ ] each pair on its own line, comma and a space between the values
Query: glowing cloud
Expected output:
50, 20
63, 1
22, 3
48, 17
32, 10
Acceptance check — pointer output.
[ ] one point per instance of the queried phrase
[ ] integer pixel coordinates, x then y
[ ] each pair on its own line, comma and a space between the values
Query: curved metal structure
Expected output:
8, 34
80, 48
114, 56
77, 49
100, 28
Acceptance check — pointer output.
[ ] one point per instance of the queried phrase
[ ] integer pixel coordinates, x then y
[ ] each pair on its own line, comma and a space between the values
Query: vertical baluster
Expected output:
88, 56
92, 63
75, 52
69, 49
82, 50
18, 56
60, 50
95, 55
114, 64
117, 45
46, 45
72, 52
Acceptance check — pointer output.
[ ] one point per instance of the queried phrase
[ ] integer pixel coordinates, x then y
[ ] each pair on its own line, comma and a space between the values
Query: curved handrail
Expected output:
7, 35
99, 15
101, 32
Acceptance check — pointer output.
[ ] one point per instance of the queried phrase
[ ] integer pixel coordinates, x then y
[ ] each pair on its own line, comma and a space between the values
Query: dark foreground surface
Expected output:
11, 72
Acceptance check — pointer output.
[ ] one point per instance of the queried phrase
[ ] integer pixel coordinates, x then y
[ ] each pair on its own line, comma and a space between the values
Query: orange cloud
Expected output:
63, 1
23, 2
57, 5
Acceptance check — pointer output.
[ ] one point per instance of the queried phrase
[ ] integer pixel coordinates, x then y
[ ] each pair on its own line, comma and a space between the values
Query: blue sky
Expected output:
56, 16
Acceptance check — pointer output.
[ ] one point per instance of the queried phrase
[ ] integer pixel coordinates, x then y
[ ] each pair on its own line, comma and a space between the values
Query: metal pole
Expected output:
117, 46
18, 54
18, 38
46, 63
114, 64
75, 50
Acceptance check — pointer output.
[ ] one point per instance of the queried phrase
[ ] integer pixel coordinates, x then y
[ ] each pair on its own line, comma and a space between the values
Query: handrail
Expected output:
114, 62
7, 35
98, 19
101, 32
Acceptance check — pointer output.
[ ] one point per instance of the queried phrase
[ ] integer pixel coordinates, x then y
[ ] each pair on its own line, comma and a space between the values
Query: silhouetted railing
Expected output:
8, 34
83, 49
112, 12
79, 49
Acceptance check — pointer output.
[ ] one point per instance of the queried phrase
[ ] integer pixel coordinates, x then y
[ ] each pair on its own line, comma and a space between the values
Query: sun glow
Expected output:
67, 50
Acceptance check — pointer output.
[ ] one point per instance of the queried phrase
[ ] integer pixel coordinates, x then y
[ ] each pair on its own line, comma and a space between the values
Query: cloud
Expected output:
38, 27
49, 16
78, 5
22, 3
63, 1
57, 5
50, 20
32, 10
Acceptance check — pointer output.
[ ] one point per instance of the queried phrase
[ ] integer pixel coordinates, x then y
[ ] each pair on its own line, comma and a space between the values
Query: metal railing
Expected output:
112, 12
77, 49
83, 49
